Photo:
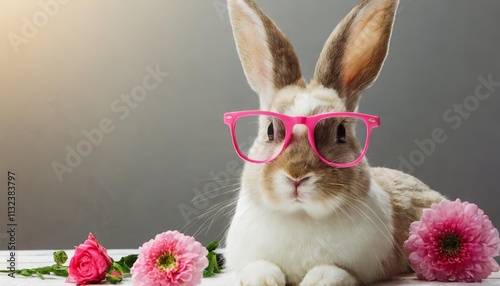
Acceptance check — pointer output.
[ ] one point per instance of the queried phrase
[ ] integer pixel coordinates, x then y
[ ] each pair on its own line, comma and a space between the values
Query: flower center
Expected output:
451, 244
166, 262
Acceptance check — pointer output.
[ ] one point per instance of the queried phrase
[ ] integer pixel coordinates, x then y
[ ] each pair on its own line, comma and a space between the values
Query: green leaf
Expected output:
41, 276
127, 262
60, 270
60, 257
214, 262
209, 271
26, 272
212, 246
125, 268
212, 267
130, 260
44, 270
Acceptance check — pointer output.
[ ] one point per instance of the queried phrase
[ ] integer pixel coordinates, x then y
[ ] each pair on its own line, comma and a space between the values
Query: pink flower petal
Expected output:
89, 262
190, 261
70, 279
470, 243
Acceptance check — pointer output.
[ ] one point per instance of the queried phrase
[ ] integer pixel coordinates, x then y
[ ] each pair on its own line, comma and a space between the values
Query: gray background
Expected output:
132, 185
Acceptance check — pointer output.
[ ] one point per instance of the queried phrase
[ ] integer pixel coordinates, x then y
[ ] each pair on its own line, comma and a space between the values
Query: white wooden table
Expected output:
37, 258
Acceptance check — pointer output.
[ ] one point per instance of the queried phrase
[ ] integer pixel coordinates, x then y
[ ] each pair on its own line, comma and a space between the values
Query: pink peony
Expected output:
453, 241
89, 263
171, 259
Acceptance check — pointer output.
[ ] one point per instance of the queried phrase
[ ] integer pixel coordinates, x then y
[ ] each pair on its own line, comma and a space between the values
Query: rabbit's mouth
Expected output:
298, 195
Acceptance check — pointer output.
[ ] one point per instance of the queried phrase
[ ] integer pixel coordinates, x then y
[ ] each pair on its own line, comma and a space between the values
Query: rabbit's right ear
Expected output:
355, 52
268, 58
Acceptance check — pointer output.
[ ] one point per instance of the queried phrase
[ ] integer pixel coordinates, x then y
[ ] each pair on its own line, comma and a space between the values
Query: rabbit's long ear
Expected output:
267, 56
355, 52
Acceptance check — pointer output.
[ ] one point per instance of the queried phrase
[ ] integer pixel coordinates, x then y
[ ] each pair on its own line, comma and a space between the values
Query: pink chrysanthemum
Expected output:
171, 259
453, 241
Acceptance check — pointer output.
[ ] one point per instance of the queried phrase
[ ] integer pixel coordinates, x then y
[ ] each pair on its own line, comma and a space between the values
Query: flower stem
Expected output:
55, 269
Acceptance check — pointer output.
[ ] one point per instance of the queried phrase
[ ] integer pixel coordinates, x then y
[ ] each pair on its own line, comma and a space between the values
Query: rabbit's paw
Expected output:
328, 275
262, 273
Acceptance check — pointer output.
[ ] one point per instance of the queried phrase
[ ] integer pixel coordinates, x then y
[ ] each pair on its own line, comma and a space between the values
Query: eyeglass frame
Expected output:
371, 122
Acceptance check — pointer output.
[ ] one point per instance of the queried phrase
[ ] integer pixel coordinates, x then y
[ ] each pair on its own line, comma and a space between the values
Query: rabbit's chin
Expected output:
306, 199
313, 209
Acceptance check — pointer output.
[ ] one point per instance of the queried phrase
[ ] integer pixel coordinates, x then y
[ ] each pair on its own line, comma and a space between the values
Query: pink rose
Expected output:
89, 263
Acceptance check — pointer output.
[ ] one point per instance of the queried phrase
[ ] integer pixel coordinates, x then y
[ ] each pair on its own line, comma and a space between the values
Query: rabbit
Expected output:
350, 226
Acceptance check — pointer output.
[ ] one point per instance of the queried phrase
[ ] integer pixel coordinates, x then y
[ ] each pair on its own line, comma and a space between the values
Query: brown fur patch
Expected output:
409, 197
299, 160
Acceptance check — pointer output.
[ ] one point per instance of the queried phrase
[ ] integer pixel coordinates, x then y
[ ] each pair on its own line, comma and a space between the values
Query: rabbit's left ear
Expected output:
355, 52
268, 58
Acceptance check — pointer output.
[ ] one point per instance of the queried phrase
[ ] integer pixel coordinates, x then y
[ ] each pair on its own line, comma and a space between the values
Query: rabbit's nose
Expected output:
296, 182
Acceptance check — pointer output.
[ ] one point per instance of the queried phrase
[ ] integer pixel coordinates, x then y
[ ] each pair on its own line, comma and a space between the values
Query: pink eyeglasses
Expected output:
339, 139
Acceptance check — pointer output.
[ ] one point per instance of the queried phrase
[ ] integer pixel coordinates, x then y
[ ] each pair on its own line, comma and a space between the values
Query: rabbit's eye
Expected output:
341, 134
270, 132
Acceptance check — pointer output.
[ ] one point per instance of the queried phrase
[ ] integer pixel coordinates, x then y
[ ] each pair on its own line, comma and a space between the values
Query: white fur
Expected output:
358, 238
304, 104
328, 275
270, 274
308, 100
285, 192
